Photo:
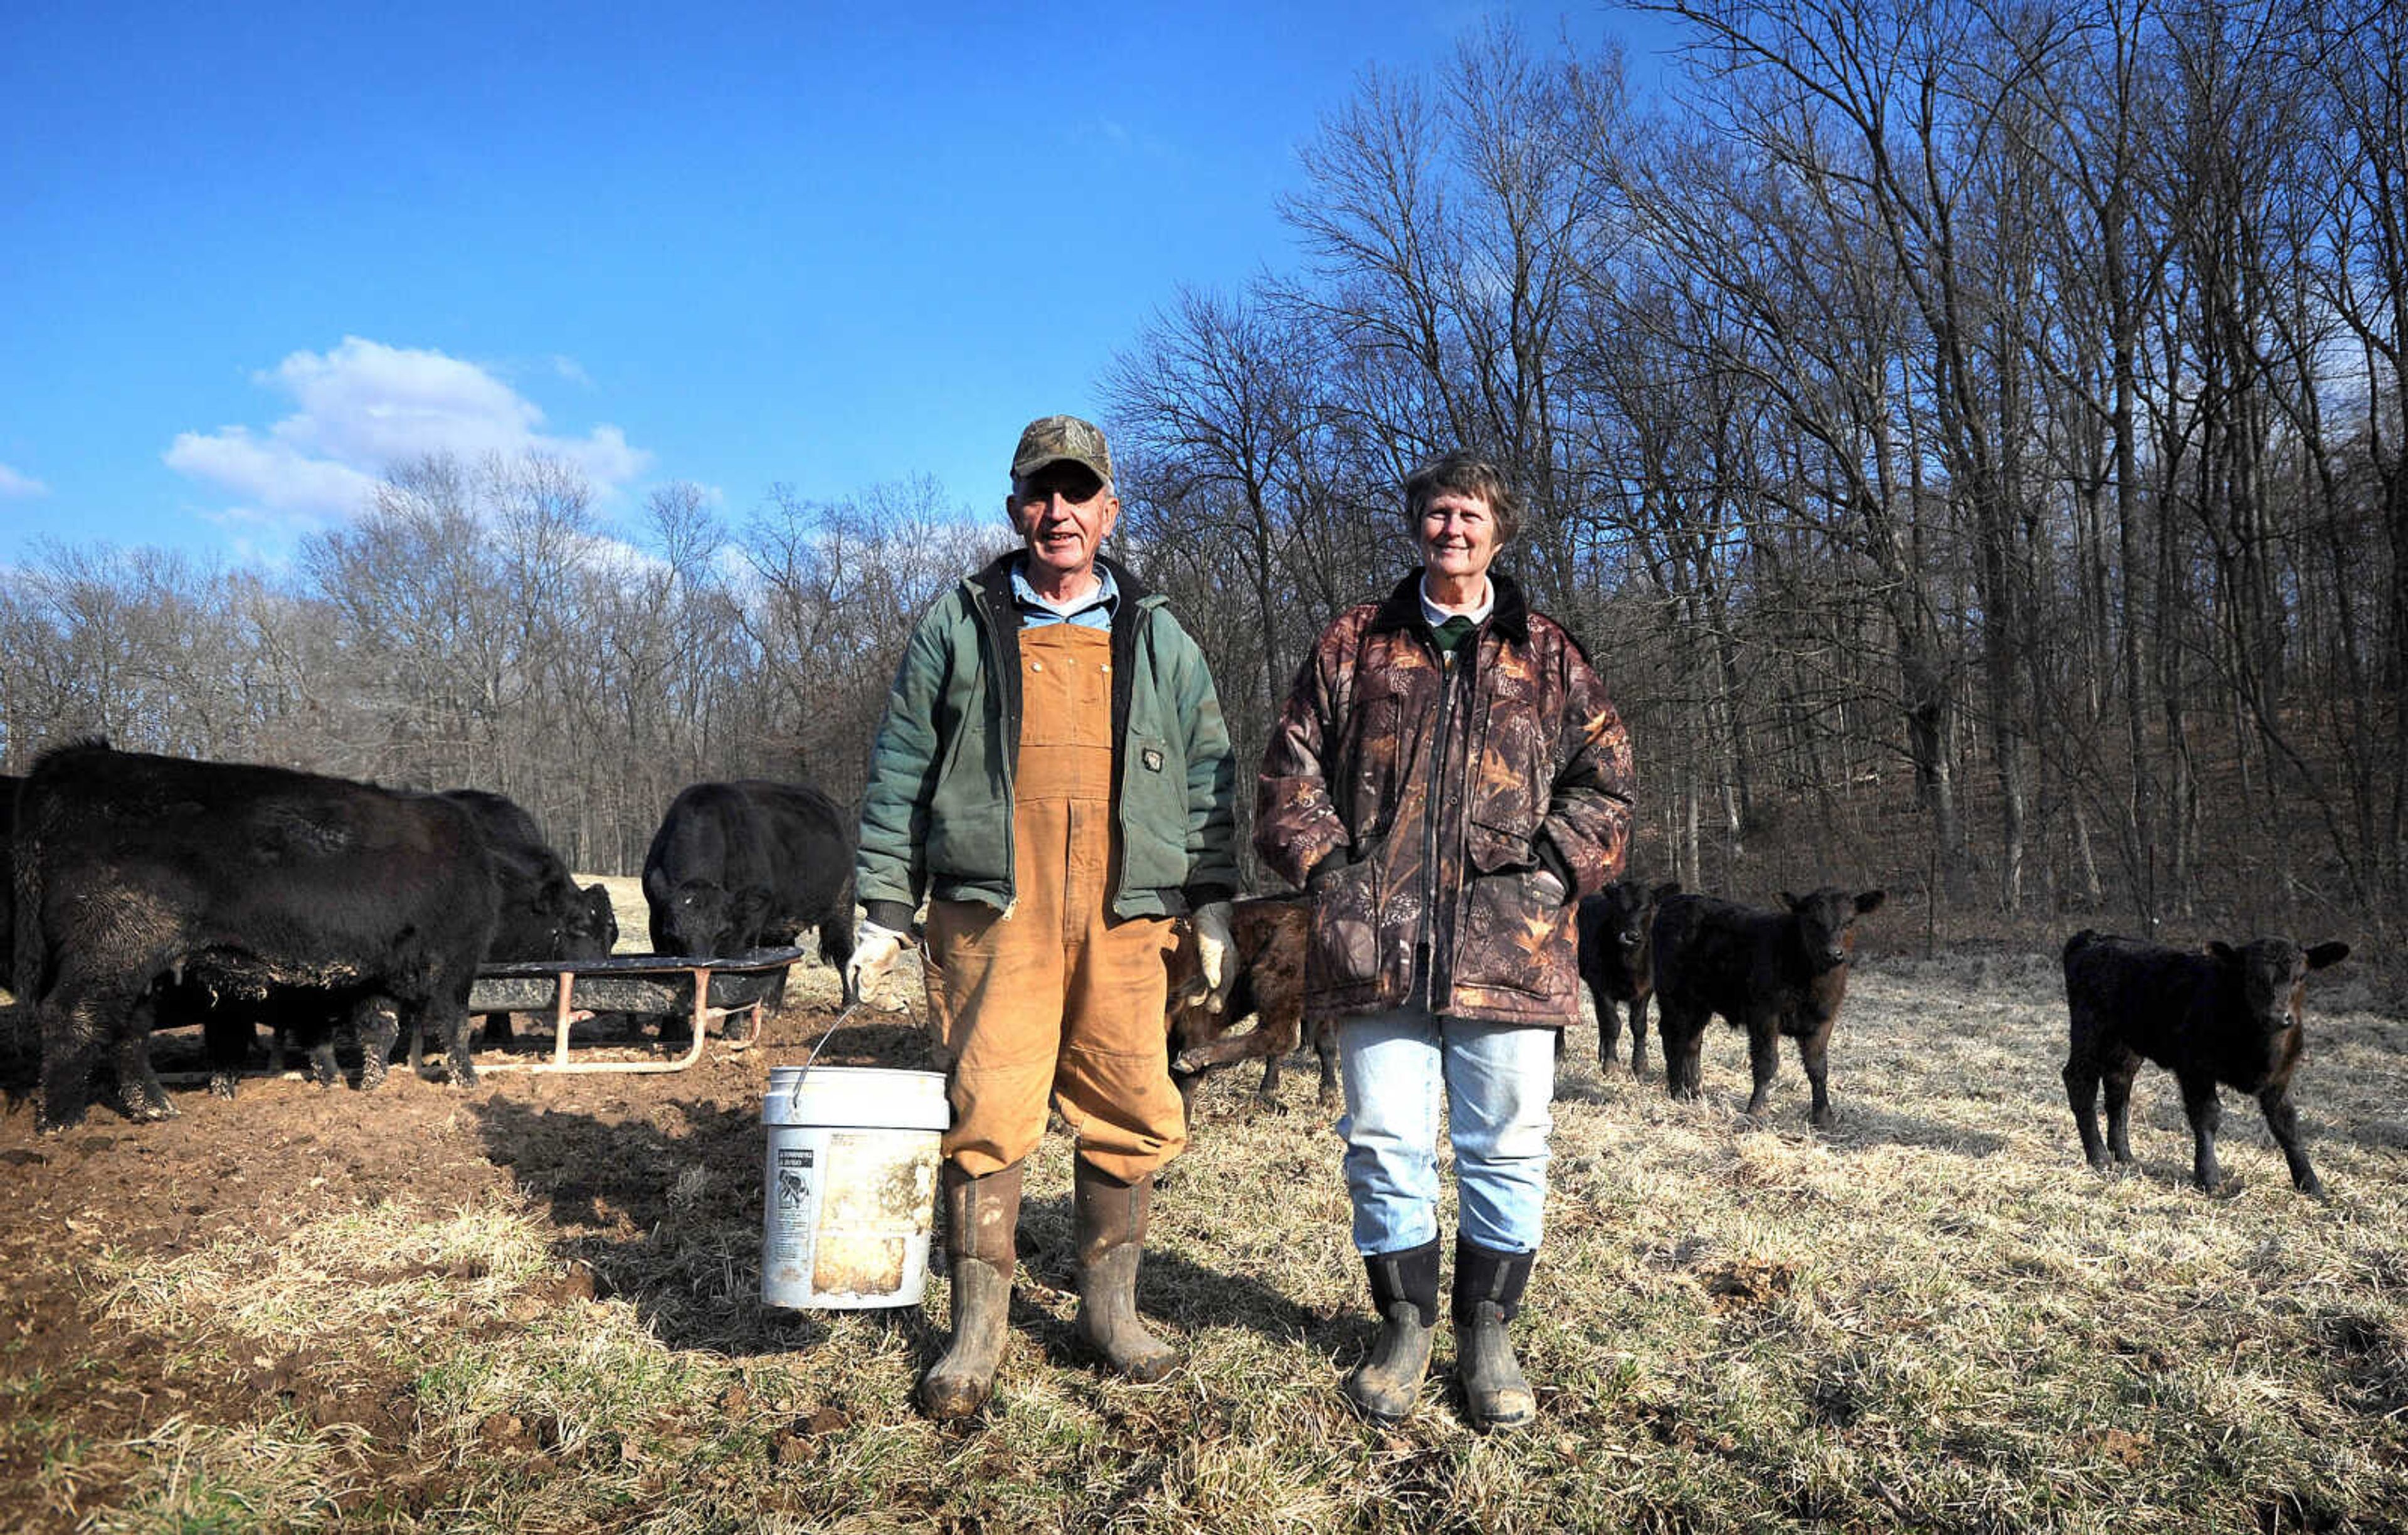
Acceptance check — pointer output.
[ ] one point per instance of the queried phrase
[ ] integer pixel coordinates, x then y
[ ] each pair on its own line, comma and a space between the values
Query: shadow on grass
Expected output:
666, 1219
669, 1219
1868, 1123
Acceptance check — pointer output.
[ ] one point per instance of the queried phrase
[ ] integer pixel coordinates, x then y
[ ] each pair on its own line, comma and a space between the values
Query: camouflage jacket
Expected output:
1424, 804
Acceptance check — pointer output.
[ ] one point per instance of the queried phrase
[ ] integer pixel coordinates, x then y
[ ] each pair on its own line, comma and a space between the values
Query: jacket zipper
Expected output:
1007, 675
1436, 801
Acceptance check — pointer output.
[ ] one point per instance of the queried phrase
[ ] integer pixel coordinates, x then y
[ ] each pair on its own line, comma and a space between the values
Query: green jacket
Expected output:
936, 818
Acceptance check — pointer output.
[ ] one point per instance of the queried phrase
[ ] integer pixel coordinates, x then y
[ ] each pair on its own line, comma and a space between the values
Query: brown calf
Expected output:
1269, 931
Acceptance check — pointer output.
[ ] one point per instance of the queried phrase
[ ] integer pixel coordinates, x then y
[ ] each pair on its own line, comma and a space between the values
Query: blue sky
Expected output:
251, 253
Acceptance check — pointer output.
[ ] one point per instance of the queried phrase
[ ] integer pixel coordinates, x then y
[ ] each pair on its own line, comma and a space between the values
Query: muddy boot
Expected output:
1404, 1291
1110, 1235
1488, 1294
980, 1214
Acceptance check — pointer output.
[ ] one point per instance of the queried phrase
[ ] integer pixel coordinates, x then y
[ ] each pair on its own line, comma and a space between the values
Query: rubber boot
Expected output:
1404, 1291
1111, 1232
1487, 1295
981, 1215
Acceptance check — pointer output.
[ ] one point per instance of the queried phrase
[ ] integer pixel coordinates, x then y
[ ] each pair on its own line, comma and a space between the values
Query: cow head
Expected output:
593, 927
1825, 924
2271, 974
698, 919
1625, 908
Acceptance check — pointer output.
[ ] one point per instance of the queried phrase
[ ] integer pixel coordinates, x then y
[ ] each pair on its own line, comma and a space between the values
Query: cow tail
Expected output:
836, 934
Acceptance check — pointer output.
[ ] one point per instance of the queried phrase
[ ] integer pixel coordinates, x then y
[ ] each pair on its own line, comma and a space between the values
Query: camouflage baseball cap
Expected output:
1049, 440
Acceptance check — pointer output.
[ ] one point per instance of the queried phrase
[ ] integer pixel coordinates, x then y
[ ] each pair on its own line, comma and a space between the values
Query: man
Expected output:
1054, 773
1447, 779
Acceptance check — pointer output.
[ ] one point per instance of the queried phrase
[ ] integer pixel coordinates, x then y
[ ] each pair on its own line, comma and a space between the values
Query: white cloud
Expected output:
365, 407
14, 485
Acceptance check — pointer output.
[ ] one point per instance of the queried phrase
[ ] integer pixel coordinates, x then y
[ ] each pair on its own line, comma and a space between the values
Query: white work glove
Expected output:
874, 953
1215, 953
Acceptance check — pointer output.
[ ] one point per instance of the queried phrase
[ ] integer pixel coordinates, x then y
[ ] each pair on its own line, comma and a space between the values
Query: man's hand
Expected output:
1215, 953
874, 952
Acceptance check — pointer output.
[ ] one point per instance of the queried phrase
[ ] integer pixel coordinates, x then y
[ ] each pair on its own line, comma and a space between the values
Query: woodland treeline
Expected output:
1968, 437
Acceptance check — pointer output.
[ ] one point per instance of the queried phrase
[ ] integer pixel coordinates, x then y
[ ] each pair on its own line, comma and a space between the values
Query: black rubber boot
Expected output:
1404, 1291
1111, 1232
981, 1215
1487, 1295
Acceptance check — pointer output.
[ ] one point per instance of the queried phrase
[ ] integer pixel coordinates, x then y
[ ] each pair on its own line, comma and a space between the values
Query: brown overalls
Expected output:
1053, 996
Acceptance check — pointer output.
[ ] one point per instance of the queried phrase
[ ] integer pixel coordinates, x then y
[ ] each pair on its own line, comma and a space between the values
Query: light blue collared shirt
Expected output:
1091, 612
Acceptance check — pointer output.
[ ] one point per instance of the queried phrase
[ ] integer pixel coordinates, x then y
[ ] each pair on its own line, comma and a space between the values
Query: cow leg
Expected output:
1639, 1036
1324, 1044
1267, 1095
498, 1035
317, 1042
1609, 1031
2206, 1111
2119, 1107
2284, 1120
70, 1051
377, 1020
1814, 1054
1763, 1061
226, 1038
1684, 1040
2081, 1091
137, 1086
445, 1013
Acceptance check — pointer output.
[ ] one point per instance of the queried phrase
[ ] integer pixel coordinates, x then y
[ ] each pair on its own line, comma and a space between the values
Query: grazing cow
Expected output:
599, 925
1271, 933
134, 873
2229, 1015
746, 865
1617, 962
541, 913
1768, 972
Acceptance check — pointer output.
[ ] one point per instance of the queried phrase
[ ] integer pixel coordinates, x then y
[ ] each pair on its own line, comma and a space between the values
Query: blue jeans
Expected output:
1498, 1080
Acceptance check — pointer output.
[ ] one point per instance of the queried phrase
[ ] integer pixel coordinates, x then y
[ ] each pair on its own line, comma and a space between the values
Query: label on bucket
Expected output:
793, 1184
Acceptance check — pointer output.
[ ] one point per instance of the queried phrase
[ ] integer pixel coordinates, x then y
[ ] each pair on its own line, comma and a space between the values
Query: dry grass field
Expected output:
533, 1305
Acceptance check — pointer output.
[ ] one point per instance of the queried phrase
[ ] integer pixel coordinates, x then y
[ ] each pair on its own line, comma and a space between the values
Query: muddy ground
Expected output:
597, 1150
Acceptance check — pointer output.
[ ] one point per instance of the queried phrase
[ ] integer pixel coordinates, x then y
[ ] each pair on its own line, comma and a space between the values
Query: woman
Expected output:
1447, 779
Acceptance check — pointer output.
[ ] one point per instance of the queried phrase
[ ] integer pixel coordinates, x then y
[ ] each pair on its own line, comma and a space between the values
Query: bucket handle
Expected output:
841, 1019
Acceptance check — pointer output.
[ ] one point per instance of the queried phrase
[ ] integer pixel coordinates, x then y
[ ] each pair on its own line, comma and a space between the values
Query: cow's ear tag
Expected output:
1151, 757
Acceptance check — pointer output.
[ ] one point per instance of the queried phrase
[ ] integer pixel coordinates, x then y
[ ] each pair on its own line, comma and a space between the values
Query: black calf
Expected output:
1768, 972
2229, 1015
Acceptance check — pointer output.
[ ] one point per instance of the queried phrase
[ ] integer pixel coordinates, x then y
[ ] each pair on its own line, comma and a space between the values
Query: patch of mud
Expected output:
602, 1155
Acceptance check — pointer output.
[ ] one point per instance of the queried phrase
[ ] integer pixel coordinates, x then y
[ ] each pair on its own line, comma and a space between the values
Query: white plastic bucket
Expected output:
848, 1187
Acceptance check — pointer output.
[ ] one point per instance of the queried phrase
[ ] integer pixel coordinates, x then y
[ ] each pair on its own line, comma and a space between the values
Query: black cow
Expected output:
1768, 972
8, 785
541, 913
746, 865
2227, 1015
136, 871
600, 927
1617, 962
